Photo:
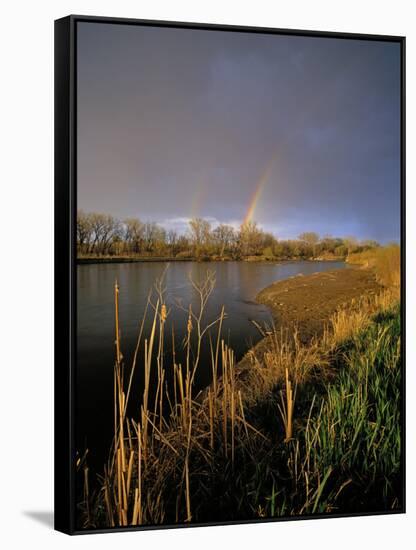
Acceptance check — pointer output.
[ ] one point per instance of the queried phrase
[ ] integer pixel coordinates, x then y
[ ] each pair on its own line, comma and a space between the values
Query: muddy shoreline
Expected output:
306, 302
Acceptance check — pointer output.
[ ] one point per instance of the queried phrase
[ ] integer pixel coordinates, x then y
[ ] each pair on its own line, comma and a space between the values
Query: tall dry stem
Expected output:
287, 408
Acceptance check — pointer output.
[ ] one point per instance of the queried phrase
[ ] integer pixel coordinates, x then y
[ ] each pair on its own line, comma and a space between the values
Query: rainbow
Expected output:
198, 198
261, 182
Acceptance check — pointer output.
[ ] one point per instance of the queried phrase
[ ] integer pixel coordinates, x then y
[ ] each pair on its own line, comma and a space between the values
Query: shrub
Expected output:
268, 252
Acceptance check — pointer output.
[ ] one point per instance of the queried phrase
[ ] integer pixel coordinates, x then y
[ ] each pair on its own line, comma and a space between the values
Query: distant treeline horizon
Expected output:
101, 234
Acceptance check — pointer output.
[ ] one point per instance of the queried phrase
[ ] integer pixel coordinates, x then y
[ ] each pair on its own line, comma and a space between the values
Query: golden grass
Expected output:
385, 260
349, 321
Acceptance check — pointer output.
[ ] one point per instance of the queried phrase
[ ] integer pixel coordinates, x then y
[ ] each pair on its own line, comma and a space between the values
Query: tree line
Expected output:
104, 235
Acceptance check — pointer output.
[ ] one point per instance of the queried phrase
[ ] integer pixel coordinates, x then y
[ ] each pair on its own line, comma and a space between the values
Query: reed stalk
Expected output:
287, 407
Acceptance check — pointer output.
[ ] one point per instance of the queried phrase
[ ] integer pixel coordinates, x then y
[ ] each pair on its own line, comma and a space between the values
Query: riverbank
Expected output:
304, 426
205, 259
126, 259
308, 302
305, 305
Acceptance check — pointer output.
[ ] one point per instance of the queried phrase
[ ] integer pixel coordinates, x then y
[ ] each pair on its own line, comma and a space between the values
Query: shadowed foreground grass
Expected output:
301, 429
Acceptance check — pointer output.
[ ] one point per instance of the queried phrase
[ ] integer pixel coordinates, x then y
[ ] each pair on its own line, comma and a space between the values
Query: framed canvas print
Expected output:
229, 333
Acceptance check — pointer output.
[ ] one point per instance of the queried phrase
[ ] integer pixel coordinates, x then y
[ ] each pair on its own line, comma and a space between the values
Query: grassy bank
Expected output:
385, 261
344, 454
300, 428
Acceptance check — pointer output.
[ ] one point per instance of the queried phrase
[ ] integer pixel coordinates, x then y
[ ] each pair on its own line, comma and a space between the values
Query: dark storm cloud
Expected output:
174, 123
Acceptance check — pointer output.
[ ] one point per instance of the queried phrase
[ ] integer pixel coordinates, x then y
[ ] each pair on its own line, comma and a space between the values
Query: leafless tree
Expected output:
154, 236
200, 231
224, 238
172, 241
133, 234
311, 239
84, 230
105, 229
251, 237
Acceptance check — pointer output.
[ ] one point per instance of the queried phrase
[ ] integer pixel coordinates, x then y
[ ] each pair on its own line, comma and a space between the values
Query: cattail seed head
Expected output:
163, 313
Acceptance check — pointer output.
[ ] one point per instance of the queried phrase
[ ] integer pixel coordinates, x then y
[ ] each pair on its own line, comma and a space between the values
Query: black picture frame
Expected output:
65, 254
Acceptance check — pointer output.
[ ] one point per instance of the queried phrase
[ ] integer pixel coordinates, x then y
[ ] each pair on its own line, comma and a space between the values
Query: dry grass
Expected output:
350, 321
287, 406
385, 260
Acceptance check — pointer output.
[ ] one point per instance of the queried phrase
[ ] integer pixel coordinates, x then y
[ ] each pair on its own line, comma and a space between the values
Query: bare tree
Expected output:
311, 239
184, 245
172, 241
133, 234
200, 230
250, 239
104, 229
224, 238
84, 231
154, 236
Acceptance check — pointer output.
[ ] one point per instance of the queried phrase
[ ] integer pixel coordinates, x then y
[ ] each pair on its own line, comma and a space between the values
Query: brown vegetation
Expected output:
385, 261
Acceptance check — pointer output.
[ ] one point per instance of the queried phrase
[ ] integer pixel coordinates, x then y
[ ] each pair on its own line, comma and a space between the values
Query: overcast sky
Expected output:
176, 123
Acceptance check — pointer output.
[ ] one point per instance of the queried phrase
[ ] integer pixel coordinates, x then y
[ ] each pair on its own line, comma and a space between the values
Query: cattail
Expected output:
189, 327
163, 313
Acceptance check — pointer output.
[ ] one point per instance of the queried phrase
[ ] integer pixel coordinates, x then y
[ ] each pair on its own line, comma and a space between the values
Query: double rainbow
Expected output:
201, 189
